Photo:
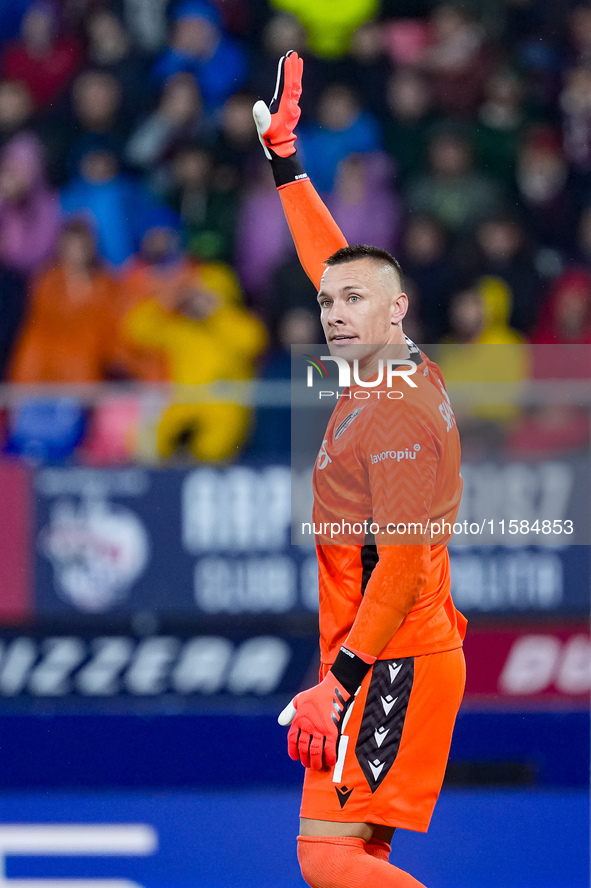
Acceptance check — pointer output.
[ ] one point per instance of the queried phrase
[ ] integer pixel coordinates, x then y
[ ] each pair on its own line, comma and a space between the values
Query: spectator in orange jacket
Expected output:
69, 333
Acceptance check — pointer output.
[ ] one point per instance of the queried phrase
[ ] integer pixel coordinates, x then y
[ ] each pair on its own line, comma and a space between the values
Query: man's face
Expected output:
361, 304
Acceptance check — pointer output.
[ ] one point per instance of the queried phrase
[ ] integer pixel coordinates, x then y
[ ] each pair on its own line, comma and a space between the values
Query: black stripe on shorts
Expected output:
383, 717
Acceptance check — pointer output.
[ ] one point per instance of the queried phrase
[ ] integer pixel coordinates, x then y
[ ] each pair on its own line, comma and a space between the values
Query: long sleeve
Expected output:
393, 588
315, 233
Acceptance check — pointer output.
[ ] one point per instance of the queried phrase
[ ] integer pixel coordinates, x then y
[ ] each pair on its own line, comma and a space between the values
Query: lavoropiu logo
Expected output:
395, 454
389, 370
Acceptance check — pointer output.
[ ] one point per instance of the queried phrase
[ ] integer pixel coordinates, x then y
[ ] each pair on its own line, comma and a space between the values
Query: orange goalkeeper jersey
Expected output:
392, 465
382, 461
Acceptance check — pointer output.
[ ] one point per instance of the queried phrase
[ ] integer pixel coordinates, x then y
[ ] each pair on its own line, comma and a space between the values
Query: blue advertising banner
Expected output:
212, 541
169, 541
247, 839
519, 581
99, 668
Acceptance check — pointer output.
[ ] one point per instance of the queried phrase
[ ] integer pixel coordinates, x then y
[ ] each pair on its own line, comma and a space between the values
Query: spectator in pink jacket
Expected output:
29, 210
263, 241
364, 203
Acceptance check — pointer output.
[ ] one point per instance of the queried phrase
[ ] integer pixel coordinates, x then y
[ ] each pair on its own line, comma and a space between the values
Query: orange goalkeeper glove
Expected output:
316, 716
276, 123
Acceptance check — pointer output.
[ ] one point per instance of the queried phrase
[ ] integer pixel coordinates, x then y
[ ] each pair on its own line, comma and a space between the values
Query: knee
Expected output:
326, 862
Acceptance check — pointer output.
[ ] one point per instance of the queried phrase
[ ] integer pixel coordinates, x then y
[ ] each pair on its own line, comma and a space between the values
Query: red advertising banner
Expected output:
535, 663
15, 543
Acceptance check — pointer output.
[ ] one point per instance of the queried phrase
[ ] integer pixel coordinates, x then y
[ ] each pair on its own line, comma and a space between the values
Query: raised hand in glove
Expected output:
316, 716
276, 124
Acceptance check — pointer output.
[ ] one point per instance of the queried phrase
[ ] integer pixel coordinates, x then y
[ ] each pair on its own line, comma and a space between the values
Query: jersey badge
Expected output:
344, 425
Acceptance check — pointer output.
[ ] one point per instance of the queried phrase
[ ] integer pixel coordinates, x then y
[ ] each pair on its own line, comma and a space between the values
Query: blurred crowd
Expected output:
141, 237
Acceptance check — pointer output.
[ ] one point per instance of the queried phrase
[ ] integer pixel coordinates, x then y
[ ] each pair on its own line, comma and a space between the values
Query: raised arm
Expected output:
315, 233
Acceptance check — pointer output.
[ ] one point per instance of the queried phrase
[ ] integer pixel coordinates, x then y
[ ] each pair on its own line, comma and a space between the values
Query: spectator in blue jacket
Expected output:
199, 47
343, 128
114, 202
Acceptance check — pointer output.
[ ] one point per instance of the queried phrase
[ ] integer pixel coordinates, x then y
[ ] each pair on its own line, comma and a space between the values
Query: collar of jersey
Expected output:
414, 354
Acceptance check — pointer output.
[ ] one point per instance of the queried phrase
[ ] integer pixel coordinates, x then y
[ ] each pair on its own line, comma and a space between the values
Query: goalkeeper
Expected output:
374, 734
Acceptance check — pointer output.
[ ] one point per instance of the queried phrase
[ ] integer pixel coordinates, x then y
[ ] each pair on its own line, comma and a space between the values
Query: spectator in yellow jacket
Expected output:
206, 336
329, 25
490, 352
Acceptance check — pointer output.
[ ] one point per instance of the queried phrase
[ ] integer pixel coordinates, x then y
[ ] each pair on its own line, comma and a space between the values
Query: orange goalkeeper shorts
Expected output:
394, 745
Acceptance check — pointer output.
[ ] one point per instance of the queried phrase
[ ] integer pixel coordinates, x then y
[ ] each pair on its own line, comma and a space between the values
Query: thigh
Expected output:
331, 828
365, 831
383, 833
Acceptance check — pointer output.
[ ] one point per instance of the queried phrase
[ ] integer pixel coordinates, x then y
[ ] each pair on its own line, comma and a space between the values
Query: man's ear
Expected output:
399, 309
